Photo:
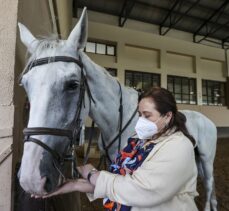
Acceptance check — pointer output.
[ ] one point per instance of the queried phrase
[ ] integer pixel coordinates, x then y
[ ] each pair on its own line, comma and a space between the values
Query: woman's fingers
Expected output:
35, 196
51, 194
81, 185
65, 188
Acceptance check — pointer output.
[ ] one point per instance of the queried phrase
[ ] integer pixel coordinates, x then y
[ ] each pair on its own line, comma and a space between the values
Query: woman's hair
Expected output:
165, 102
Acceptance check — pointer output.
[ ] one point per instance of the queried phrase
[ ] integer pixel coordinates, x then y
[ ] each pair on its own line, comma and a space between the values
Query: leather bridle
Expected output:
72, 134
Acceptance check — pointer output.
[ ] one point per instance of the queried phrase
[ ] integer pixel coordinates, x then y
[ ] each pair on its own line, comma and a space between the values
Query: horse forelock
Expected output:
49, 45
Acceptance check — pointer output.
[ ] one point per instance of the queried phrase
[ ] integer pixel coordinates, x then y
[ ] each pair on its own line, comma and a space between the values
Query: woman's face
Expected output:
147, 109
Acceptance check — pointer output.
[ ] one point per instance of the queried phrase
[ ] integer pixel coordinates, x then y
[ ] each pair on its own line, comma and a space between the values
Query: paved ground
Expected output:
221, 168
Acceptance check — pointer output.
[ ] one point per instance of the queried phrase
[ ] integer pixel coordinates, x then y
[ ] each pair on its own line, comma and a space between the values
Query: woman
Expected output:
155, 171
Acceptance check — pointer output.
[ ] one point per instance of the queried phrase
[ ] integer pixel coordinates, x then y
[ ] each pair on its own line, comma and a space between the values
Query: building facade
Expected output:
196, 74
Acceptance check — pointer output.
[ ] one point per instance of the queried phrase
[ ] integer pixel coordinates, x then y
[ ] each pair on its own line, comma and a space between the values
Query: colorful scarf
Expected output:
126, 162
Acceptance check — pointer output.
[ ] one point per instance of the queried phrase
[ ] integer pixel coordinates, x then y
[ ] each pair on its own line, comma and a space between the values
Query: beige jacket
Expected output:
166, 180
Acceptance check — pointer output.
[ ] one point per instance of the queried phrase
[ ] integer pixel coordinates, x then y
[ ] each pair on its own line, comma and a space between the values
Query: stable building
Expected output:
179, 45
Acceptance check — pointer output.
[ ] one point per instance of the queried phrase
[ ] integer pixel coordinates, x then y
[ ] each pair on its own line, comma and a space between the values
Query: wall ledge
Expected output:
6, 132
6, 148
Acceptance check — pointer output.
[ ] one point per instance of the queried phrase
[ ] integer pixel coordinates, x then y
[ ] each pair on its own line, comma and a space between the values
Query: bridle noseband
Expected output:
72, 134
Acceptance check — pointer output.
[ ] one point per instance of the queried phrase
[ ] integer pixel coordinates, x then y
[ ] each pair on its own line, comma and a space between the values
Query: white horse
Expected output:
53, 92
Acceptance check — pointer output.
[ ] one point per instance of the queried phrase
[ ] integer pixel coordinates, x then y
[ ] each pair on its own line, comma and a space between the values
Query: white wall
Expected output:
140, 48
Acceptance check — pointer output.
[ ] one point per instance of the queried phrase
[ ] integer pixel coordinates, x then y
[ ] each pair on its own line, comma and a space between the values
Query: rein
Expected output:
106, 148
118, 136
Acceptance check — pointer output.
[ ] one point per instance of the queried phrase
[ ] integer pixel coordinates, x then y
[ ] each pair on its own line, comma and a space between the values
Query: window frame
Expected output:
112, 69
219, 83
143, 72
173, 77
106, 43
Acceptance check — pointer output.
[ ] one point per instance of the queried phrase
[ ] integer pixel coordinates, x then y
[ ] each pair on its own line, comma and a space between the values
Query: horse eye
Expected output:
71, 85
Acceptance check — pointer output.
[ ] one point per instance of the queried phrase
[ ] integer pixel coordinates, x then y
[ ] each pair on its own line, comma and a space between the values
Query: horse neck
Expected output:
106, 93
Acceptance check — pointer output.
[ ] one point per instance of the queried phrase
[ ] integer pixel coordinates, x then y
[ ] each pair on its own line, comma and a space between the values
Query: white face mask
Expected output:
145, 128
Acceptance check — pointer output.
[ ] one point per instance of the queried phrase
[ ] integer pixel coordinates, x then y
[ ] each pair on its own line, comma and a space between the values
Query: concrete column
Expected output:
64, 13
227, 76
163, 67
198, 80
8, 22
121, 61
226, 63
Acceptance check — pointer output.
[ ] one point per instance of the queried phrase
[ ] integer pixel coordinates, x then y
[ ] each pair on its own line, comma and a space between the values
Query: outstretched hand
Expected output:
80, 185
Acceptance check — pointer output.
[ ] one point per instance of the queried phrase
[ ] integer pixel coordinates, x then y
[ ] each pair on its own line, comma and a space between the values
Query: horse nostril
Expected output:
48, 185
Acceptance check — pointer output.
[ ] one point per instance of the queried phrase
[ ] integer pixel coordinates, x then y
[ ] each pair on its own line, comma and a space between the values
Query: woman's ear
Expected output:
168, 116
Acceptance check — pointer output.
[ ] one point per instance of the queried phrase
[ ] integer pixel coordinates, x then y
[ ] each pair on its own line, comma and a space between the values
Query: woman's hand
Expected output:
84, 170
80, 185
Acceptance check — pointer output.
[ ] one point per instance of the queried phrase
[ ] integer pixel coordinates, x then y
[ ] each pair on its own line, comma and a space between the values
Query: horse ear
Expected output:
27, 38
78, 36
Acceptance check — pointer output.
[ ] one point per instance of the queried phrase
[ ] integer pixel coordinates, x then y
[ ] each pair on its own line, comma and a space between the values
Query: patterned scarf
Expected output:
126, 162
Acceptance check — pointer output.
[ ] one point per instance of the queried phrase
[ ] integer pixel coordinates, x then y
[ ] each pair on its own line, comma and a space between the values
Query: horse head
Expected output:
55, 83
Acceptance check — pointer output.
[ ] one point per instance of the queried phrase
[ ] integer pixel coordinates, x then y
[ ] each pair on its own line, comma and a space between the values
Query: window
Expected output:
183, 89
141, 80
100, 48
112, 71
90, 47
213, 93
110, 50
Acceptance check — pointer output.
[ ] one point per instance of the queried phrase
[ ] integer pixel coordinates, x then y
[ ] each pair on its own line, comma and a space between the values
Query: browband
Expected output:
47, 60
